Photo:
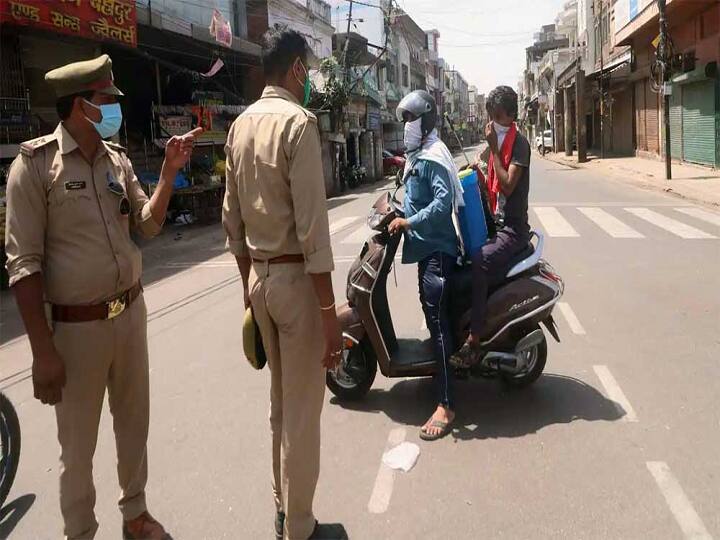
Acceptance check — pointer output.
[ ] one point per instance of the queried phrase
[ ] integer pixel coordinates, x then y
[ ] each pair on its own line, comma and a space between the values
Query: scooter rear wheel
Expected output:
536, 359
354, 377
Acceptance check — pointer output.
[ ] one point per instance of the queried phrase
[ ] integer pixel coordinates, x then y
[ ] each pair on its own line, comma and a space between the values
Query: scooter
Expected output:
513, 344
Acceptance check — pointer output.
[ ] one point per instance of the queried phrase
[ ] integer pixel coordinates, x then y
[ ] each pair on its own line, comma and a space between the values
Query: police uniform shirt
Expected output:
65, 218
276, 202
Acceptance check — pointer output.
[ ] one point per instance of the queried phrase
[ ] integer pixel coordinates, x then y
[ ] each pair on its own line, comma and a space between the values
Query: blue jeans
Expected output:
434, 274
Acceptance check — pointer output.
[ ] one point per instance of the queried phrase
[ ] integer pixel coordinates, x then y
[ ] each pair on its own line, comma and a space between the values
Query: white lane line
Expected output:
382, 491
671, 225
681, 507
699, 213
609, 223
554, 223
358, 237
615, 393
341, 223
571, 318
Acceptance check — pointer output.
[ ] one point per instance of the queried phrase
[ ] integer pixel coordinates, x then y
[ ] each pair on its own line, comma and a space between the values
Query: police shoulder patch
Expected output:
28, 148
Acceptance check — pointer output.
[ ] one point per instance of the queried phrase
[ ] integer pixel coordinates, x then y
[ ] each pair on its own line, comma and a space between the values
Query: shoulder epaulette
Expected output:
116, 147
28, 148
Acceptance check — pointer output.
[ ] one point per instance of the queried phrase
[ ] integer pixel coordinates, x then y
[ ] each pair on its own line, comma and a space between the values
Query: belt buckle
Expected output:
116, 307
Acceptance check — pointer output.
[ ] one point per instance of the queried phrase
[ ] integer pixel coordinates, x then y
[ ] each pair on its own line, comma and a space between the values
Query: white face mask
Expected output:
500, 129
413, 135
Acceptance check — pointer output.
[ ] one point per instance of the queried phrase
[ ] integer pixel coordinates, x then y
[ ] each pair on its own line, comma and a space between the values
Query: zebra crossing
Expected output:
618, 222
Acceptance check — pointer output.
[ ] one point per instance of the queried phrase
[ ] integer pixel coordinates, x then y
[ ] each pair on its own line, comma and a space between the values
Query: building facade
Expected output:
694, 27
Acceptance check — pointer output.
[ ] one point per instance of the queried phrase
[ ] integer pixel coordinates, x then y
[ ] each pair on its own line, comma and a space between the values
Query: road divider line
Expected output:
671, 225
701, 214
554, 223
385, 479
571, 318
615, 393
340, 224
609, 223
679, 504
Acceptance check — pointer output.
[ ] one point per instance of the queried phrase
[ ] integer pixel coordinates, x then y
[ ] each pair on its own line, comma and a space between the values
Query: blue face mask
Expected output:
111, 119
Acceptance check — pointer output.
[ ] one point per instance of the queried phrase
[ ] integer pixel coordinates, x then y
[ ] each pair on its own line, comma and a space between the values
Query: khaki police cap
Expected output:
252, 341
88, 75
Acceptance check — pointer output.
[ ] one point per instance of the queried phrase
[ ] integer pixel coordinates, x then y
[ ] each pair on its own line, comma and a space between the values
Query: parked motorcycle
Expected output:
9, 446
513, 343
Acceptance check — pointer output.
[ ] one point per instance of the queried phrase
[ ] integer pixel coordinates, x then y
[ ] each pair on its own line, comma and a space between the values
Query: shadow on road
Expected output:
12, 513
498, 412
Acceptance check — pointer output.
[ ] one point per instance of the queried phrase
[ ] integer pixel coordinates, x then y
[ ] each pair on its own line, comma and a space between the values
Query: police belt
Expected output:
98, 312
282, 259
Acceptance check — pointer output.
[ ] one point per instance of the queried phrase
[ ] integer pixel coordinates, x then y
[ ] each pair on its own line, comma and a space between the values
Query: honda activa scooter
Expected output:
513, 343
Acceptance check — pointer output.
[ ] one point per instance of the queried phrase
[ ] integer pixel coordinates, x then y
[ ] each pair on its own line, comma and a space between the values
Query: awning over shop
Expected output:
614, 65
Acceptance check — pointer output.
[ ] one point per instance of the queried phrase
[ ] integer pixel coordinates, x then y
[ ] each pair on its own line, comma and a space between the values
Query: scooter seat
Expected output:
529, 257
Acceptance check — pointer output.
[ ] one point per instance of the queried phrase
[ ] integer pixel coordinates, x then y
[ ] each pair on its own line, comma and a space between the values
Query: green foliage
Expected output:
335, 95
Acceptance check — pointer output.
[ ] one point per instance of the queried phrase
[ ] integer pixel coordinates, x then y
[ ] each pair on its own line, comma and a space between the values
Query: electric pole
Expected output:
346, 56
664, 59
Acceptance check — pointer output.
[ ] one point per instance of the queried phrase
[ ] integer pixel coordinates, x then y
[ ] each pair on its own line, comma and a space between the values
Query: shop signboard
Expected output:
102, 20
374, 121
175, 125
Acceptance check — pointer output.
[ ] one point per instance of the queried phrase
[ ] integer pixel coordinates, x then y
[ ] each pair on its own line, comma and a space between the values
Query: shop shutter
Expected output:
676, 122
698, 117
652, 119
640, 115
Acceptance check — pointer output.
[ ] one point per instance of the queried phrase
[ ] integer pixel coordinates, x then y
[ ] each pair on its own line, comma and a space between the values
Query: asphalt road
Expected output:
619, 439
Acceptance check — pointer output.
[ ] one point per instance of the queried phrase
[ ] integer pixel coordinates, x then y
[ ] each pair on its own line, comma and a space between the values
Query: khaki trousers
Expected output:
286, 310
108, 354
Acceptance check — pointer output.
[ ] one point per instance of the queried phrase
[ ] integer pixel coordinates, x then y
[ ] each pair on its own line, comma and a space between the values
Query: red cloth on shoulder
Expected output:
493, 183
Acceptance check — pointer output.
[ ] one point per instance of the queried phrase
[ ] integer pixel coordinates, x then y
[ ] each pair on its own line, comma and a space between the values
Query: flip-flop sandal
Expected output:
445, 428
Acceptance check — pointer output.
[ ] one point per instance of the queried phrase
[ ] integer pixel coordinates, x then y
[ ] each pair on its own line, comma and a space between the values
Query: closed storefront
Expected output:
676, 124
640, 133
652, 119
698, 122
694, 122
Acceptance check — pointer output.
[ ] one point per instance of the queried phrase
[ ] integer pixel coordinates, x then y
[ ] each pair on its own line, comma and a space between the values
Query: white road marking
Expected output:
571, 318
615, 393
609, 223
671, 225
382, 491
699, 213
358, 237
341, 223
554, 223
681, 507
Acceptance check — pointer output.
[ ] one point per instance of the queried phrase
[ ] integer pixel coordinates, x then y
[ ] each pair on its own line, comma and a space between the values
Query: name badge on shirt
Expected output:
75, 184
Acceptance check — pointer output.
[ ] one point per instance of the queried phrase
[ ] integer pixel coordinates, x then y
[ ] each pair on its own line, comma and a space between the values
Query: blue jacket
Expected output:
428, 208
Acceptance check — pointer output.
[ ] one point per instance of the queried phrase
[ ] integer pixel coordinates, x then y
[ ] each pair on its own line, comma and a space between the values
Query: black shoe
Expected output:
329, 531
279, 525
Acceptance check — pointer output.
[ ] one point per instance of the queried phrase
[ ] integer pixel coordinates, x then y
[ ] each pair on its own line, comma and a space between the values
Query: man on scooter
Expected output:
508, 185
432, 194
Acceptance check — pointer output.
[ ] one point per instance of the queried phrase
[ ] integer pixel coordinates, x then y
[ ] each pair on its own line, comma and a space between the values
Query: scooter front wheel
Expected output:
535, 359
354, 377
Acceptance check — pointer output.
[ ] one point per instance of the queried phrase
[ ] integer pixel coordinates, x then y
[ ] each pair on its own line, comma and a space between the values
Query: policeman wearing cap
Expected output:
72, 200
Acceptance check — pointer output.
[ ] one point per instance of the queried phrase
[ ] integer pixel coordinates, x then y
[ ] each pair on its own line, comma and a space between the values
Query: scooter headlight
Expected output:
374, 220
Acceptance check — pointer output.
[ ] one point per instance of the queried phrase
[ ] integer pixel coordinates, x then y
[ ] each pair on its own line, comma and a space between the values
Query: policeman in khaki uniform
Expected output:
72, 199
275, 217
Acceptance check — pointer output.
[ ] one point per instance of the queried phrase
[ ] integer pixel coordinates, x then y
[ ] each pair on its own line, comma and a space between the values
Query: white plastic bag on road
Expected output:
402, 457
